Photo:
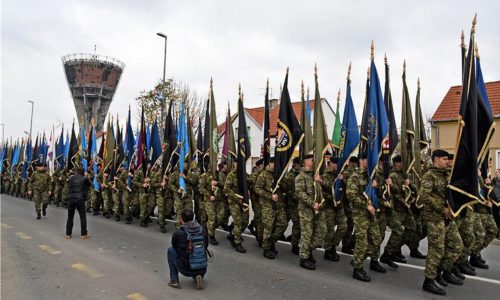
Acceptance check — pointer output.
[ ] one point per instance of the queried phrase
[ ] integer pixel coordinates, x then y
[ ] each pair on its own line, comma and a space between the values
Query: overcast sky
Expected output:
236, 41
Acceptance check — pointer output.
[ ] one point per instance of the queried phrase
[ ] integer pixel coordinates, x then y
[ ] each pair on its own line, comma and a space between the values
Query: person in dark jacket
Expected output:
177, 254
78, 185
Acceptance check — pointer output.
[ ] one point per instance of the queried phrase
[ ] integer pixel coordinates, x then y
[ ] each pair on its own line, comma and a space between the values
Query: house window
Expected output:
497, 159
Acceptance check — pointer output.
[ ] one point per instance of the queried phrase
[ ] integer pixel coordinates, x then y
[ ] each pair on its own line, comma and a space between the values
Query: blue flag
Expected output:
93, 153
66, 147
480, 84
155, 143
83, 149
377, 130
60, 151
183, 144
27, 160
148, 137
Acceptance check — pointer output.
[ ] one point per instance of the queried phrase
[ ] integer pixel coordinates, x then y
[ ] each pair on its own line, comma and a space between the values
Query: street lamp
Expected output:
3, 127
31, 121
164, 70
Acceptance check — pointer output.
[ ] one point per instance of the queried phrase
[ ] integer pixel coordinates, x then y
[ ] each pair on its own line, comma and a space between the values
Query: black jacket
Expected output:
77, 187
180, 242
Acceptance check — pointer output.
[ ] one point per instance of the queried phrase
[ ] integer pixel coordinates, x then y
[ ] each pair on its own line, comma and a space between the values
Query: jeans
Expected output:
173, 265
76, 204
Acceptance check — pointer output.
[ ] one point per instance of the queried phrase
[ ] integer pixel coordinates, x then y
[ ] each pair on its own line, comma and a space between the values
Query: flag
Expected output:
407, 130
393, 129
148, 137
482, 89
213, 135
308, 108
51, 152
337, 129
289, 134
66, 147
305, 123
244, 153
155, 144
206, 134
83, 148
463, 51
364, 117
95, 158
109, 148
142, 155
377, 129
60, 151
229, 148
200, 146
73, 148
27, 160
266, 146
169, 141
475, 130
183, 144
192, 141
129, 141
320, 138
420, 139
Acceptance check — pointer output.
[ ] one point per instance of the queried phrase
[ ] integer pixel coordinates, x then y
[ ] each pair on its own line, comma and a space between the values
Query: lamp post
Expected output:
164, 36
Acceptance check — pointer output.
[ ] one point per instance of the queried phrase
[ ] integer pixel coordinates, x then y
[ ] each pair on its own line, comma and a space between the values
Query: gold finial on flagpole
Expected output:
372, 55
462, 39
349, 71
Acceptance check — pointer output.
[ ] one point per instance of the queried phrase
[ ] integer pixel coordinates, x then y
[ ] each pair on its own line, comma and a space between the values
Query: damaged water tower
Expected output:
92, 80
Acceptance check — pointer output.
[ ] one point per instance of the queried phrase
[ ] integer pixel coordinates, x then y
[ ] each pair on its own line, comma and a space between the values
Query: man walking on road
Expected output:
78, 185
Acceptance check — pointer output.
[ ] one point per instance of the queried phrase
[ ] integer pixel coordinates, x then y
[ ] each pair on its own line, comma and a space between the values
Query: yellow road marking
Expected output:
6, 226
23, 235
87, 270
49, 249
136, 296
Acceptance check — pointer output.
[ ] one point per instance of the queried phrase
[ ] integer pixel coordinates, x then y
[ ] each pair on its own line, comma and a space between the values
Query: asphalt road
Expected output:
122, 261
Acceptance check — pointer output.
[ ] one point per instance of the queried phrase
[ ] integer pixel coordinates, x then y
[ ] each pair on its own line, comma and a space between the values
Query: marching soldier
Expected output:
349, 239
38, 187
255, 226
182, 198
157, 189
292, 207
199, 208
225, 168
212, 190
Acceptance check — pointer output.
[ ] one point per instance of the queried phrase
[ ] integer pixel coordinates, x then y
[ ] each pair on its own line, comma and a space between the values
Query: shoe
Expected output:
268, 254
311, 257
476, 262
431, 287
332, 255
400, 254
38, 216
273, 248
295, 249
452, 279
44, 212
163, 229
239, 248
361, 275
481, 258
174, 284
128, 220
416, 254
58, 205
143, 224
457, 273
88, 210
347, 250
96, 212
396, 258
307, 264
386, 259
67, 237
108, 214
464, 269
375, 266
213, 241
470, 266
440, 280
230, 238
104, 213
117, 218
85, 236
199, 282
251, 227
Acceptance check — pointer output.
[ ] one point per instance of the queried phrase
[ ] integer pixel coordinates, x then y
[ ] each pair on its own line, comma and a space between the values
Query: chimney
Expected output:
273, 103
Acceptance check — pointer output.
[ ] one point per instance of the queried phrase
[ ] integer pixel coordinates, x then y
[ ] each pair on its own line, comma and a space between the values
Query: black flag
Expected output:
73, 148
266, 148
244, 152
169, 141
289, 134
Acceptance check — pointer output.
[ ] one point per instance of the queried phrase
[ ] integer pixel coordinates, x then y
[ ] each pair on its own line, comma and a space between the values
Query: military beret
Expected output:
451, 156
271, 159
363, 155
439, 153
296, 160
259, 162
308, 156
334, 159
354, 159
397, 159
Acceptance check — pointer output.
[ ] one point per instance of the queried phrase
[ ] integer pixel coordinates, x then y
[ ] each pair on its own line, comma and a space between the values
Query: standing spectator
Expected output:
78, 185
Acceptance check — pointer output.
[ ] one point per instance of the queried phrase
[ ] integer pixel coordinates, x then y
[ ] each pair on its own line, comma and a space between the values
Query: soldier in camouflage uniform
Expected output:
38, 186
239, 211
182, 199
364, 216
349, 239
6, 181
274, 219
59, 177
154, 184
211, 188
444, 242
142, 183
130, 194
292, 207
107, 195
15, 184
118, 185
334, 211
311, 219
255, 226
199, 207
224, 169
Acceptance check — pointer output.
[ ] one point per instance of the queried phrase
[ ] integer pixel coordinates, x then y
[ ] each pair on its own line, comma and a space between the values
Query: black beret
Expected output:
439, 153
308, 156
271, 159
363, 155
334, 159
354, 159
259, 162
296, 160
397, 159
452, 156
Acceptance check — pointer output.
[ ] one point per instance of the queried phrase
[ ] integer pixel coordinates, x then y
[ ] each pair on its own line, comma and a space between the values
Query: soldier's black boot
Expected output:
311, 257
213, 241
38, 215
476, 262
88, 210
307, 264
463, 267
347, 250
361, 275
273, 248
128, 219
295, 249
96, 212
108, 214
440, 280
57, 204
431, 287
452, 279
386, 259
230, 238
398, 258
117, 218
332, 255
163, 229
268, 254
416, 254
375, 266
481, 258
239, 248
144, 223
251, 227
44, 210
457, 273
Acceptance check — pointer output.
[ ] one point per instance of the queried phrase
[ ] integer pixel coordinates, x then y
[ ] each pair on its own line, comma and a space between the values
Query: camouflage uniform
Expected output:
60, 178
199, 204
238, 211
132, 188
311, 233
292, 204
214, 209
444, 242
257, 212
38, 185
181, 200
349, 239
117, 195
485, 228
156, 182
6, 183
107, 195
274, 220
144, 195
223, 174
383, 210
122, 191
334, 213
368, 237
465, 222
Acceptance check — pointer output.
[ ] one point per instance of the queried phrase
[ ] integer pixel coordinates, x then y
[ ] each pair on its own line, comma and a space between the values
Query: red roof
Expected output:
257, 113
449, 107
